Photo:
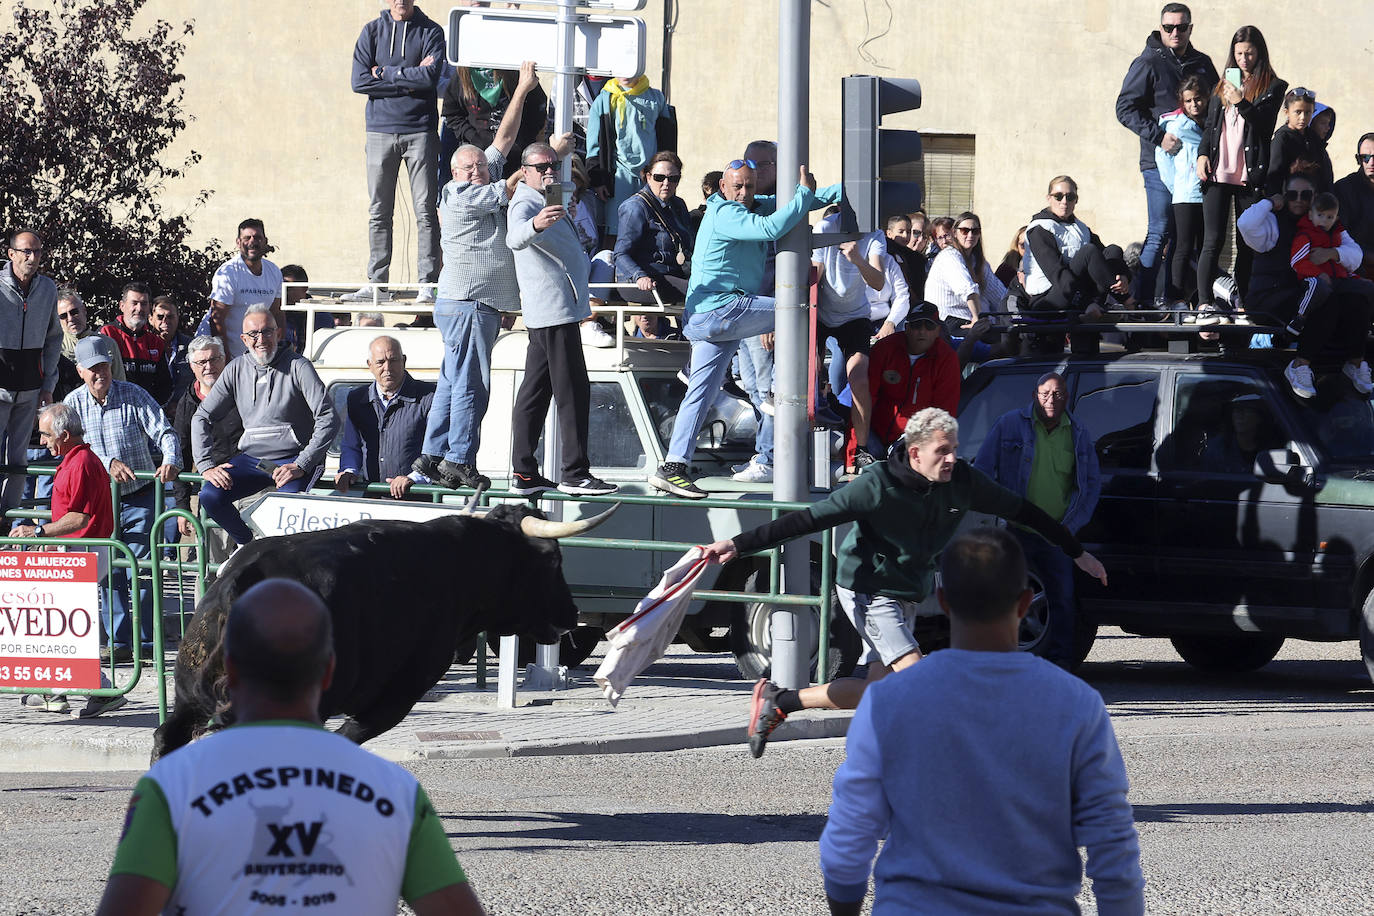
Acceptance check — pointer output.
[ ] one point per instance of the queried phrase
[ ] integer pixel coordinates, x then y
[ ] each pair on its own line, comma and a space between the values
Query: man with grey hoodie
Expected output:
30, 344
396, 64
288, 422
552, 270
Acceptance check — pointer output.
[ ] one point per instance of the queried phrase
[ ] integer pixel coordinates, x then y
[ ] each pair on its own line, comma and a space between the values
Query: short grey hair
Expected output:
537, 149
67, 294
924, 424
205, 342
372, 316
63, 420
466, 148
260, 308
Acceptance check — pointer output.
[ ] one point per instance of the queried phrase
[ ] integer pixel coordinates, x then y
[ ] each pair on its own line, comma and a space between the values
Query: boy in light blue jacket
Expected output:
1180, 176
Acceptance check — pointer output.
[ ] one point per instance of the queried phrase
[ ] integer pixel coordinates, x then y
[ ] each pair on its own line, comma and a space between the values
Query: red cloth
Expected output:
899, 387
83, 485
1308, 237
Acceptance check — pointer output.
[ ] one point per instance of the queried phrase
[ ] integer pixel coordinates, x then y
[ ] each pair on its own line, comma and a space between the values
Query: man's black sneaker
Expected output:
862, 459
530, 484
587, 486
427, 465
671, 477
457, 476
764, 715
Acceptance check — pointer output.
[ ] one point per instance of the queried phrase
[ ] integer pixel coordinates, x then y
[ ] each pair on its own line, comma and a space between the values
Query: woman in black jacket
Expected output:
475, 102
1234, 161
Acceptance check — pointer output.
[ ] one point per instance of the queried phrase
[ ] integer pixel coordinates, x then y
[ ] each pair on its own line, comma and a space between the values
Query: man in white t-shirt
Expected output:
247, 279
275, 813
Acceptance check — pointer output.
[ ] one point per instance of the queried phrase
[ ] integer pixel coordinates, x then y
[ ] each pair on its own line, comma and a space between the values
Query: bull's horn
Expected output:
471, 507
543, 528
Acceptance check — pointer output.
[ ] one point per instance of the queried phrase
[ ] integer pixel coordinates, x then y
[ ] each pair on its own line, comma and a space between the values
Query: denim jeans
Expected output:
247, 480
469, 332
1159, 231
135, 526
384, 154
1056, 572
756, 371
715, 336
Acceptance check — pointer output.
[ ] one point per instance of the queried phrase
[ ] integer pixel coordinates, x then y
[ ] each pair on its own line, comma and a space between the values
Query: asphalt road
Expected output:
1252, 795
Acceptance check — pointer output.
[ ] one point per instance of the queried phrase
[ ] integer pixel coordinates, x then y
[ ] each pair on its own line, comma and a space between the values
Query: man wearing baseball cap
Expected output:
906, 372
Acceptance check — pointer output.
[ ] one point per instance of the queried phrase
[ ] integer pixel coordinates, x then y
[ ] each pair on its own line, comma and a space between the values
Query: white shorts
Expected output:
884, 623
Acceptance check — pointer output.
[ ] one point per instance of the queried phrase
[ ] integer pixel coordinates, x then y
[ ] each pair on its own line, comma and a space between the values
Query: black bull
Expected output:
403, 596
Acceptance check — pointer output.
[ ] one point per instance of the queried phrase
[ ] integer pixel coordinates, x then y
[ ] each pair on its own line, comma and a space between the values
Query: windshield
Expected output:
729, 423
1342, 425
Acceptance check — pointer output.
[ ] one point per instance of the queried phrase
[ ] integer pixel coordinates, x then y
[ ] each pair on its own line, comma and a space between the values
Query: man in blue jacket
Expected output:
1045, 455
1150, 90
384, 423
727, 264
396, 64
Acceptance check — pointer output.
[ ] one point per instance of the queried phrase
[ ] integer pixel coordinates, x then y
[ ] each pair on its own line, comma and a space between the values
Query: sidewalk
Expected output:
686, 700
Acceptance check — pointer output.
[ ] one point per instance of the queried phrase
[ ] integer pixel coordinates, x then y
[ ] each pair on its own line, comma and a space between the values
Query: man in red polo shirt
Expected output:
81, 508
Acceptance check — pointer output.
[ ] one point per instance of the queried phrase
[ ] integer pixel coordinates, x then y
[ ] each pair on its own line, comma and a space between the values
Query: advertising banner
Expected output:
49, 620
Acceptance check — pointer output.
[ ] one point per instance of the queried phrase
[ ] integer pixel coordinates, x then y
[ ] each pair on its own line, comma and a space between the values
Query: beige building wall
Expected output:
1035, 82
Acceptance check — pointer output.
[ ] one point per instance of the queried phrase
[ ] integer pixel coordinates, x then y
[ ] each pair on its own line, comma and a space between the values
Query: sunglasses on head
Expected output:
671, 179
1295, 194
1070, 196
1172, 27
741, 163
1302, 93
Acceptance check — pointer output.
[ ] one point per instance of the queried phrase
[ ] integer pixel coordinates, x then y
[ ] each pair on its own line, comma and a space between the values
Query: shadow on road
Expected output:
1167, 814
658, 828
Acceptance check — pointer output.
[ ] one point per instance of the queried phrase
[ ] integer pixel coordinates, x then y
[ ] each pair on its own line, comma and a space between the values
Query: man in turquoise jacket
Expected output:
722, 310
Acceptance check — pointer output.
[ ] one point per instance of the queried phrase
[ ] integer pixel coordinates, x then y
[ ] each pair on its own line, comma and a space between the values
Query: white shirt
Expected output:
949, 285
841, 296
238, 287
893, 301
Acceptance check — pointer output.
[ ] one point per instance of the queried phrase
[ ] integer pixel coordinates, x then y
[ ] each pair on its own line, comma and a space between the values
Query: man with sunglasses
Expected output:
1334, 315
728, 261
1356, 194
1149, 90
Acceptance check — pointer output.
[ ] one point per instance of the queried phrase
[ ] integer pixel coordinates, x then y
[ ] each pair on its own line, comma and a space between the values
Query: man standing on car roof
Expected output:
906, 509
1041, 452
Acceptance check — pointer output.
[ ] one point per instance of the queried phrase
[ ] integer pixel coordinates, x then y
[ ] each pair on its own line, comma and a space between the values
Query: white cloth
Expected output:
642, 638
949, 285
841, 297
238, 287
893, 301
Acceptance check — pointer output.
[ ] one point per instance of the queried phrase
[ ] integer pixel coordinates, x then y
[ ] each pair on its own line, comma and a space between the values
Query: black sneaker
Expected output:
457, 476
587, 486
764, 715
530, 484
862, 459
427, 465
96, 706
671, 477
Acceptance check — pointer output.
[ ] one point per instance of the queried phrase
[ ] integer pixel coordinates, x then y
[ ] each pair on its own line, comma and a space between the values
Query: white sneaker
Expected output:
426, 294
755, 473
366, 295
1359, 377
1301, 381
593, 335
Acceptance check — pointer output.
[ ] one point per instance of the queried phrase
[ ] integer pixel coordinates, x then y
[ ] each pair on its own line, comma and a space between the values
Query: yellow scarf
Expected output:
618, 93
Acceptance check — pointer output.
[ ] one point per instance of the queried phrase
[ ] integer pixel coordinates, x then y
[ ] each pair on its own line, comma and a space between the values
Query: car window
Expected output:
1221, 423
992, 394
338, 393
1118, 410
612, 439
1341, 424
730, 423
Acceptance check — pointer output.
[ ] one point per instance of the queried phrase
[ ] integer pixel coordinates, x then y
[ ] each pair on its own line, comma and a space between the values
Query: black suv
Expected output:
1233, 514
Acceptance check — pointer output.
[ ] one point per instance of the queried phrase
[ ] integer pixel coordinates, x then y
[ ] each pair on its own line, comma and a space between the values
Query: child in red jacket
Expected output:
1319, 231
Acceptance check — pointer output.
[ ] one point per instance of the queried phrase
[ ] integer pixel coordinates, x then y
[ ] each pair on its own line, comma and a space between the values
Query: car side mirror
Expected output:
1280, 465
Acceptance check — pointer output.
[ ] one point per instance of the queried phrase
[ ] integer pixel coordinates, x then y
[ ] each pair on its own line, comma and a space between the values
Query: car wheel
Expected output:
751, 638
1034, 634
1227, 653
1367, 634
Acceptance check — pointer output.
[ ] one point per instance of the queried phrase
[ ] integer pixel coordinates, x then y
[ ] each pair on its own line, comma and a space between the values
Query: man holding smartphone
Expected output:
552, 270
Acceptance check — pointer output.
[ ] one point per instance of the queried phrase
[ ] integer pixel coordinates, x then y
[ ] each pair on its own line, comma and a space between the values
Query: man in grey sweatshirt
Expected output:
288, 423
30, 344
552, 270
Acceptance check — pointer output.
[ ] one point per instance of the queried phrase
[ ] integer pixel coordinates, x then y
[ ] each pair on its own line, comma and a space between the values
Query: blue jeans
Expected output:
135, 525
469, 330
715, 336
1158, 233
1056, 572
756, 371
247, 480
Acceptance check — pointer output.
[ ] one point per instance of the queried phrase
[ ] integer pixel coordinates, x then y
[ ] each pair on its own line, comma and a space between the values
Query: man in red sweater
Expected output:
906, 372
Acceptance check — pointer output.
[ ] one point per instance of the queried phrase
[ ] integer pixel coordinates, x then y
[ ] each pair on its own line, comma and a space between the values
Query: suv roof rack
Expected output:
1177, 329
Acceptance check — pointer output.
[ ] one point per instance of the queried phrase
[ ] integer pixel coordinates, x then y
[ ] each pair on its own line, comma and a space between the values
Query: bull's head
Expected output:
531, 521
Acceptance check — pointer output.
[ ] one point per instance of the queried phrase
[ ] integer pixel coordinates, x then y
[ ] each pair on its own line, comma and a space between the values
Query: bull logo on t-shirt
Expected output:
298, 848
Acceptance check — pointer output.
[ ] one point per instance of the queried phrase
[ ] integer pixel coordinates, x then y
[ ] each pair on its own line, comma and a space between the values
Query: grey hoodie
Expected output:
287, 415
551, 266
30, 335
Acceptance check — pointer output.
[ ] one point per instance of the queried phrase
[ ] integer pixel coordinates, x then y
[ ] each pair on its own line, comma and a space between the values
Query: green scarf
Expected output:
488, 85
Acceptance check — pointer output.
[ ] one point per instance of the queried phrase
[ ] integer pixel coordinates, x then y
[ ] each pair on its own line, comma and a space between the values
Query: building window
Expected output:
947, 167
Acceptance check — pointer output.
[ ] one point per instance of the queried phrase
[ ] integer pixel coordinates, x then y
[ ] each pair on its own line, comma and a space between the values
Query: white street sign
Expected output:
501, 39
291, 513
620, 6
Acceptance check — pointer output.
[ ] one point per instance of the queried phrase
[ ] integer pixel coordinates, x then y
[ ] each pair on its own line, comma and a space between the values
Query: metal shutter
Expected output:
948, 173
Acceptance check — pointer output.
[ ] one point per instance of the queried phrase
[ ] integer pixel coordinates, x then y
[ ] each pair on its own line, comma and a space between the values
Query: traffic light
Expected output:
882, 168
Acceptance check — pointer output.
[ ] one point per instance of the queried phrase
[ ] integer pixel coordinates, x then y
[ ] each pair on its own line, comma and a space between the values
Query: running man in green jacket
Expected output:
906, 509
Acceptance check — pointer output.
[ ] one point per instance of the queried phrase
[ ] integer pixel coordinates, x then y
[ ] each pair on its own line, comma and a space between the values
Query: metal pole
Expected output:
791, 649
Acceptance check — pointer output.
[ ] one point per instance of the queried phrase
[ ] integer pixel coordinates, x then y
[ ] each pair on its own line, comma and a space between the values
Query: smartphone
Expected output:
1233, 76
553, 195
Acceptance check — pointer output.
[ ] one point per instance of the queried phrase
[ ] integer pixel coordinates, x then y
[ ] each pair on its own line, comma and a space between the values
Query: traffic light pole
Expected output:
791, 648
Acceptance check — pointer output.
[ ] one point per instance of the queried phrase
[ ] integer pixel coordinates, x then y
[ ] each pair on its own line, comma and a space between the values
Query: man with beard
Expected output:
288, 423
245, 280
142, 348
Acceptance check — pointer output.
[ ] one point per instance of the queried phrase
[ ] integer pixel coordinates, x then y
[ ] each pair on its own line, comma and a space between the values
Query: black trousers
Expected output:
1218, 201
1085, 279
553, 363
1336, 315
1188, 223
